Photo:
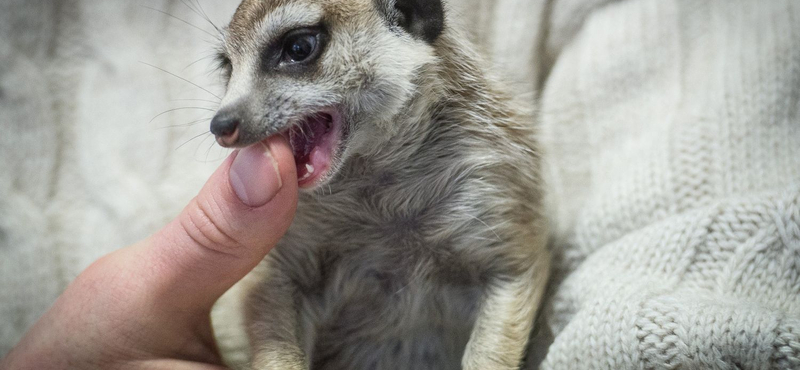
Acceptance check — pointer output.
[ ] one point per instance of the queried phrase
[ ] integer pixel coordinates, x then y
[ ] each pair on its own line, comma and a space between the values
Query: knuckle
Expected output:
208, 230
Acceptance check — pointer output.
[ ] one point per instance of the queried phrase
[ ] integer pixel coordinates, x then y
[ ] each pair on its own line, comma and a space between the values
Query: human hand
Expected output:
147, 306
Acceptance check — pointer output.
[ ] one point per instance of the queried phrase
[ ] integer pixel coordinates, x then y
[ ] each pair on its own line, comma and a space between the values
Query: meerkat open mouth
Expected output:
315, 141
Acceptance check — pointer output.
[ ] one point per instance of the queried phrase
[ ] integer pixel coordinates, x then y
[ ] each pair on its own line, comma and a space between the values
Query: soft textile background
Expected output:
672, 131
674, 136
83, 169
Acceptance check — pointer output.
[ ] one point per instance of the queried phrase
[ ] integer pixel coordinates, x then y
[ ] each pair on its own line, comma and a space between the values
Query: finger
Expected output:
239, 215
152, 299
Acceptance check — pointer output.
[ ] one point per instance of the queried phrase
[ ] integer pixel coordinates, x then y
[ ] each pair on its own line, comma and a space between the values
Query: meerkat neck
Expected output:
455, 95
454, 108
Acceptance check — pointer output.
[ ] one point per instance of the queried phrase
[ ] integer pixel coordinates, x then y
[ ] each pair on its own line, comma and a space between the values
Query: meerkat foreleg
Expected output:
275, 325
504, 322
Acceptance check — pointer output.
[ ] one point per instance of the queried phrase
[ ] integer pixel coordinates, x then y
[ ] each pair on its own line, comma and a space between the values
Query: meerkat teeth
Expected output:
305, 176
309, 168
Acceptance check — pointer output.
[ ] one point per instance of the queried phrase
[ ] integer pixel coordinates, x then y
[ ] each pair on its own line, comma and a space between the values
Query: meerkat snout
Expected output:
225, 126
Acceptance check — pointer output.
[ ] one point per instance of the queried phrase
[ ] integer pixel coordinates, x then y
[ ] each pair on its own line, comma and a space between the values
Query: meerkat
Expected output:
419, 241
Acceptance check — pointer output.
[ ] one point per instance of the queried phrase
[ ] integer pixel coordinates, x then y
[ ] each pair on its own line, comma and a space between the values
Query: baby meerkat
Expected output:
419, 240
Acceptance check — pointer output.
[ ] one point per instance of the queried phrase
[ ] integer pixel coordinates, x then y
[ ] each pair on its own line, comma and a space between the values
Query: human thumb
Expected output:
236, 219
154, 297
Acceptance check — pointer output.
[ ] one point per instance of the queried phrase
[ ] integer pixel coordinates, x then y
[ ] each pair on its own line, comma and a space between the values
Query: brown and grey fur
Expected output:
425, 247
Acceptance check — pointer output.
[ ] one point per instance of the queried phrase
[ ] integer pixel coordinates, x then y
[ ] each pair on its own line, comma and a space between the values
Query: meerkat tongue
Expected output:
312, 146
304, 138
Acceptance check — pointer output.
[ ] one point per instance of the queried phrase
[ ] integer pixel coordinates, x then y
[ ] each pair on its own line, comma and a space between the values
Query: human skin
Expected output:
147, 306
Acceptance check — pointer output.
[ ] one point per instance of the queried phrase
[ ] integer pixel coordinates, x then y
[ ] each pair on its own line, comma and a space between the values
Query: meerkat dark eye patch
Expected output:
299, 46
296, 50
423, 19
303, 45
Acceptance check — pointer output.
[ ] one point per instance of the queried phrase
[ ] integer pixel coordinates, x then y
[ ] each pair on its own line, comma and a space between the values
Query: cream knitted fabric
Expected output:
83, 169
673, 130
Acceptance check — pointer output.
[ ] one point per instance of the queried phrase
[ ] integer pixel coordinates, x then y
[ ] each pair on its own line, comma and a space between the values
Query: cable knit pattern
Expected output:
674, 134
83, 168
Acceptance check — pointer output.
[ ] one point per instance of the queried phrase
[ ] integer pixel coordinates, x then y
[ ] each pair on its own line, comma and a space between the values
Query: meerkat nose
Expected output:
226, 128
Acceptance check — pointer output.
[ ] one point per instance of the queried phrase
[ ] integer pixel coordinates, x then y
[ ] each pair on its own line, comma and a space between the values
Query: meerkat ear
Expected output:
423, 19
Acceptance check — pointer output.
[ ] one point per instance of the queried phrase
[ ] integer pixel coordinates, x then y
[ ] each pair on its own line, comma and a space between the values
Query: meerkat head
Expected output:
330, 75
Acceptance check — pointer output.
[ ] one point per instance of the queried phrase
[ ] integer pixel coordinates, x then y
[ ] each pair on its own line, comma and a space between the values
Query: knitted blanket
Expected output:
671, 129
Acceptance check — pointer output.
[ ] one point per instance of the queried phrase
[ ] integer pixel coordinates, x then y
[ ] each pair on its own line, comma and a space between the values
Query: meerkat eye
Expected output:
300, 45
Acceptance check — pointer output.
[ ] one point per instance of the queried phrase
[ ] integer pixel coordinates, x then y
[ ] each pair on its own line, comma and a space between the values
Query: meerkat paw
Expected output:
488, 361
279, 357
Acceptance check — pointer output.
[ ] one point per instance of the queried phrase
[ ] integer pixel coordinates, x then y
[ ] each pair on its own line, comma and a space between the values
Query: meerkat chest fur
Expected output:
399, 247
